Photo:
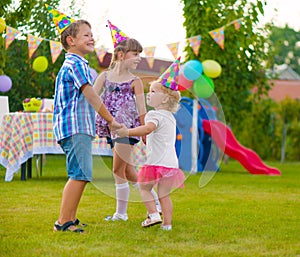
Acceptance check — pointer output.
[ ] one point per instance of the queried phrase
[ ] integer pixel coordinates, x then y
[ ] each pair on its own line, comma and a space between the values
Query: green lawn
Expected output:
235, 214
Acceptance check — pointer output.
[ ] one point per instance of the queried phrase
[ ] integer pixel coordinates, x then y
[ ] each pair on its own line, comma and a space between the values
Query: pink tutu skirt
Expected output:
154, 174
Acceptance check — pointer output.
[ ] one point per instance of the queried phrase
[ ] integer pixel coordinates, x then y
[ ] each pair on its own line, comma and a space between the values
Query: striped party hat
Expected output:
60, 20
116, 34
169, 78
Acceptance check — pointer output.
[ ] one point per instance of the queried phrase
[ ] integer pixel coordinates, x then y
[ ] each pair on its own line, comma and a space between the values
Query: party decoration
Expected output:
60, 20
183, 82
218, 36
169, 78
11, 34
116, 34
2, 25
32, 104
195, 43
5, 83
40, 64
192, 69
203, 87
211, 68
173, 47
149, 52
55, 50
33, 44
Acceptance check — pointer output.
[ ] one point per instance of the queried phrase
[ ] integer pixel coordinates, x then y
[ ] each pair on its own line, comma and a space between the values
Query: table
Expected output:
23, 135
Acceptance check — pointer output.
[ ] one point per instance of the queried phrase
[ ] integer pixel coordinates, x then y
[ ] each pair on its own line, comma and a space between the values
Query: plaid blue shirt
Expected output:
72, 112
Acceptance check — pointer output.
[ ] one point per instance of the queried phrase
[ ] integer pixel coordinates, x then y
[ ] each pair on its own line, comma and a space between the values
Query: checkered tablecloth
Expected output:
24, 134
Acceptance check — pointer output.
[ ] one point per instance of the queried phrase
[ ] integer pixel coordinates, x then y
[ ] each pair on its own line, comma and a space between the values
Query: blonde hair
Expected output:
72, 31
125, 46
174, 97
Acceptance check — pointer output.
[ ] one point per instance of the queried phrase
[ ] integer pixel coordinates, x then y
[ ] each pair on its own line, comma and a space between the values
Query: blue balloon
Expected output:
192, 70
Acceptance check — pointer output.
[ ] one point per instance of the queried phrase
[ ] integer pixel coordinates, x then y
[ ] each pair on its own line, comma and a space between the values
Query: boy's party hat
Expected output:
116, 34
169, 78
60, 20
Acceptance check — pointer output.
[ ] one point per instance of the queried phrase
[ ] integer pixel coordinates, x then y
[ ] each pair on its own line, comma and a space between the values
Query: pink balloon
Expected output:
183, 82
5, 83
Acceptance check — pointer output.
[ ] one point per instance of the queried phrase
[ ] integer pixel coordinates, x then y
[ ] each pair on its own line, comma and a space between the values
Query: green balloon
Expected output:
203, 87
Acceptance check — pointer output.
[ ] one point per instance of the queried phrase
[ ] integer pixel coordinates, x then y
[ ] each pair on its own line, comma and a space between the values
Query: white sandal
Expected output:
152, 220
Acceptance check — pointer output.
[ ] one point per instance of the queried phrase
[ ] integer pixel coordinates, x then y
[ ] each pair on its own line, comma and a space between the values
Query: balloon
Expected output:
211, 68
2, 25
5, 83
183, 82
204, 87
192, 70
40, 64
94, 74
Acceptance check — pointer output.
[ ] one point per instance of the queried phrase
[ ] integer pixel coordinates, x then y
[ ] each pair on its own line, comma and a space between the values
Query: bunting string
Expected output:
218, 35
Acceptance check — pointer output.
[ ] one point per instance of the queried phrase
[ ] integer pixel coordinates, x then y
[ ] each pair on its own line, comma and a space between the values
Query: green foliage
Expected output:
30, 17
284, 43
262, 128
242, 57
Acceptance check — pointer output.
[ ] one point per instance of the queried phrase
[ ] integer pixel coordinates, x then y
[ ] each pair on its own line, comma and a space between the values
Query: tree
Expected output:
243, 54
285, 46
28, 17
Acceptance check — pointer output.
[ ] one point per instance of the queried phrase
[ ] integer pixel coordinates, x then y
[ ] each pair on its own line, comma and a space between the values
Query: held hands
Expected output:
114, 125
123, 131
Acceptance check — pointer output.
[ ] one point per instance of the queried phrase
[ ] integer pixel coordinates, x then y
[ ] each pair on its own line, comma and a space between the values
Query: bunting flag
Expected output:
237, 23
149, 53
11, 34
55, 50
218, 36
101, 52
173, 47
195, 43
33, 44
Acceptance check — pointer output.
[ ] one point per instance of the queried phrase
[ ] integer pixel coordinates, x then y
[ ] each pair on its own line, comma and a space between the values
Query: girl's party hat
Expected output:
60, 20
169, 78
116, 34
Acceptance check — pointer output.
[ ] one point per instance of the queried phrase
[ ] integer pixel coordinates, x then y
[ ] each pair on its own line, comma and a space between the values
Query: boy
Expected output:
75, 103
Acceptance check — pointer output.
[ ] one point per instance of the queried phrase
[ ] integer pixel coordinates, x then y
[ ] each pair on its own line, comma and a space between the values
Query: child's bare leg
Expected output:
147, 197
164, 191
70, 200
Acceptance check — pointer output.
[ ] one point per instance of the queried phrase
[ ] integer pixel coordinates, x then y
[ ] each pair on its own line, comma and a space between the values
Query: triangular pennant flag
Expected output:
149, 53
195, 43
101, 52
173, 47
55, 49
33, 44
11, 33
237, 23
218, 36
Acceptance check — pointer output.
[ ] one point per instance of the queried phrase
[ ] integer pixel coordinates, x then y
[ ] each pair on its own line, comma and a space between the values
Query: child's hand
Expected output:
114, 125
122, 132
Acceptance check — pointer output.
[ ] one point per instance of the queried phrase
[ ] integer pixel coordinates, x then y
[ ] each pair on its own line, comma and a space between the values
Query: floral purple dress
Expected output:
119, 99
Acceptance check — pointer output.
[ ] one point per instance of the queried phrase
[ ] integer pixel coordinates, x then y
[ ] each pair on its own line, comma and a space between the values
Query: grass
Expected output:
235, 214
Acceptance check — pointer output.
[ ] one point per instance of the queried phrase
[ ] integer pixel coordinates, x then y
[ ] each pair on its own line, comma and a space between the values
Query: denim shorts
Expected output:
79, 159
